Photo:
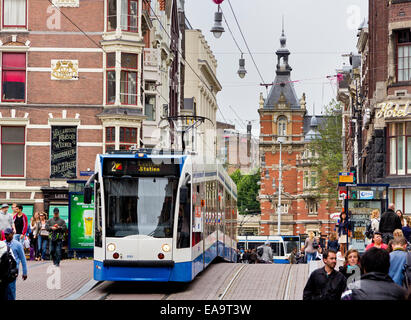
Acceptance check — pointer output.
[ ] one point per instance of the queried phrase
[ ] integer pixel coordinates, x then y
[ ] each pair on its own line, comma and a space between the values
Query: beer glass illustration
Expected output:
88, 222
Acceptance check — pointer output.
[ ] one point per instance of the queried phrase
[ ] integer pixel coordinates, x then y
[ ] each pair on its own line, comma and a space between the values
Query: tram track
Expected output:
230, 284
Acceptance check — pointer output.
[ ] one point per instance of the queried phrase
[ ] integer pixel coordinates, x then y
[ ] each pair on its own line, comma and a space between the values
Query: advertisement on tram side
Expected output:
81, 227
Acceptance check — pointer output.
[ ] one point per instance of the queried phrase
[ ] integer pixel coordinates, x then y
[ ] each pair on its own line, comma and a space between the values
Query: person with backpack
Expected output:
398, 260
57, 227
265, 253
15, 248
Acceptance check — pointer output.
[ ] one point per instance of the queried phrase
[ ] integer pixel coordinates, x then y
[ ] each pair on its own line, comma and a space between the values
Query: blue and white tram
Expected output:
281, 245
160, 217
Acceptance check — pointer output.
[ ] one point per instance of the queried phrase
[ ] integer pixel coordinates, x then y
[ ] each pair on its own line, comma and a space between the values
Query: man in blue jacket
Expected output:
18, 253
398, 259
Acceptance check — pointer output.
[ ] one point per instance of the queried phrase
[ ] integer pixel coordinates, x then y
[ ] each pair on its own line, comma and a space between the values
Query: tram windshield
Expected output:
290, 245
140, 206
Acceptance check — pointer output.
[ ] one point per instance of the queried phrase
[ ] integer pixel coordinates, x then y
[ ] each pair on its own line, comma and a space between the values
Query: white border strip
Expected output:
40, 69
47, 49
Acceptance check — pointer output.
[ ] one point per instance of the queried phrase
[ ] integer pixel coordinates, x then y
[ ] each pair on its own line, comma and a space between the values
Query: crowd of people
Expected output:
39, 235
382, 272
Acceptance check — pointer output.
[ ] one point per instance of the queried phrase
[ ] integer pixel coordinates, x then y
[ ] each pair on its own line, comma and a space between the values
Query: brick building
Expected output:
381, 115
72, 89
282, 114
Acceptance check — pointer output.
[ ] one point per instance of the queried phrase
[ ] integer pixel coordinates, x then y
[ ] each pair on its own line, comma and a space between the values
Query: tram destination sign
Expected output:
63, 152
139, 168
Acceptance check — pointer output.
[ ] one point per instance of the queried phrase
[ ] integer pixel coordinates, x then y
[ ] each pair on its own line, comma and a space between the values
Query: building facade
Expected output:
72, 87
200, 91
383, 115
283, 115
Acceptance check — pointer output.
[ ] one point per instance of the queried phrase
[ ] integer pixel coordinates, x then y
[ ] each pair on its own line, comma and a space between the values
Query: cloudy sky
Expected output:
318, 33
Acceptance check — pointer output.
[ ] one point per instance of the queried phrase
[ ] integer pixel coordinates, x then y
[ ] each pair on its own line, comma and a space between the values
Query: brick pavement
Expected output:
41, 283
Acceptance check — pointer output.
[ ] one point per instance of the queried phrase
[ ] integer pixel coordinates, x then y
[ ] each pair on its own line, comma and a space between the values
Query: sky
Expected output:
318, 33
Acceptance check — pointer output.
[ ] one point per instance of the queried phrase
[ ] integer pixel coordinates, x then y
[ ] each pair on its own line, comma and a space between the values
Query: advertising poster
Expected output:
81, 223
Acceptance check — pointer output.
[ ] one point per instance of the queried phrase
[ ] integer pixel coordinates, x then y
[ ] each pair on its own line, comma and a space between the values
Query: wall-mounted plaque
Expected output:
63, 152
64, 69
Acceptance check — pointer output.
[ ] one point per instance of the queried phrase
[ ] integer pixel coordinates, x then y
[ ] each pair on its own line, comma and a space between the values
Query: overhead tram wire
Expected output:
246, 44
182, 57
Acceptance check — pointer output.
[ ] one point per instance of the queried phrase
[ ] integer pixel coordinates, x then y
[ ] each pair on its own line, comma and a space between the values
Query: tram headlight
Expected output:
165, 247
111, 247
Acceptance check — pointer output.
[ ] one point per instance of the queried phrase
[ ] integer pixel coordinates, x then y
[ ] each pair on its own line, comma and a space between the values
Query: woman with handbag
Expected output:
43, 237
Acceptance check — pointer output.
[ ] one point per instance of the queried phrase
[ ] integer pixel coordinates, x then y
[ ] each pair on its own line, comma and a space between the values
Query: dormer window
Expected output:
282, 126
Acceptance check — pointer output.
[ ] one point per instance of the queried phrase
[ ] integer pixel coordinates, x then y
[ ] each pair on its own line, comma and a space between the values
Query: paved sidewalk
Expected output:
45, 282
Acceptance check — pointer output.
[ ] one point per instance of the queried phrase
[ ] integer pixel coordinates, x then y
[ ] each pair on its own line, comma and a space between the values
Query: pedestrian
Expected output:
4, 271
407, 229
377, 242
253, 257
246, 256
398, 260
43, 237
373, 225
57, 227
325, 283
300, 256
20, 222
333, 242
6, 220
401, 215
33, 235
388, 223
17, 249
267, 253
375, 283
323, 241
292, 258
311, 247
396, 234
351, 265
343, 228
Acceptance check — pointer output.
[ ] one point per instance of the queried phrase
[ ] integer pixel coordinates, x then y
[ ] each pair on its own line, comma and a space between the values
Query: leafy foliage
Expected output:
247, 190
328, 148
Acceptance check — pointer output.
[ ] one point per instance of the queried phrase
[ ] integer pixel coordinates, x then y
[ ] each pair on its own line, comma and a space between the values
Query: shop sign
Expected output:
393, 109
367, 195
347, 177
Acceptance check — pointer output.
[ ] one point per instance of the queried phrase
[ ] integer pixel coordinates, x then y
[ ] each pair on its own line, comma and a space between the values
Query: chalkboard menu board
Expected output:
63, 152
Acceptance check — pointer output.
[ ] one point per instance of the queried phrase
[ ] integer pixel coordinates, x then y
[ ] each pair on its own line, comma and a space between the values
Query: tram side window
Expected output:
98, 241
278, 249
183, 227
197, 227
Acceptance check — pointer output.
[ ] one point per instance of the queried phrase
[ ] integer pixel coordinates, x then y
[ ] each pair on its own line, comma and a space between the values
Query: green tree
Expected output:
328, 150
247, 191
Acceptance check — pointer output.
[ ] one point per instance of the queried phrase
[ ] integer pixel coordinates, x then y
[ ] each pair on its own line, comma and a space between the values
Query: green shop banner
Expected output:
81, 223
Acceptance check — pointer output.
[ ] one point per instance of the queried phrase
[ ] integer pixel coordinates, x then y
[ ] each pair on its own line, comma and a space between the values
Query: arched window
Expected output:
282, 126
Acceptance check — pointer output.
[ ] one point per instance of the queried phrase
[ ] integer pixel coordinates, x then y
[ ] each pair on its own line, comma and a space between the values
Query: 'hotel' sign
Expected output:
394, 109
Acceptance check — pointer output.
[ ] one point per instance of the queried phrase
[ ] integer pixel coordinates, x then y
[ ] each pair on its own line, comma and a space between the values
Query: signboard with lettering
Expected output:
367, 195
139, 168
346, 177
63, 152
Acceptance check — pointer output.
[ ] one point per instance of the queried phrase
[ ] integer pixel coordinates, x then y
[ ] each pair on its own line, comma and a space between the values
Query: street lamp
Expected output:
241, 72
280, 140
218, 28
